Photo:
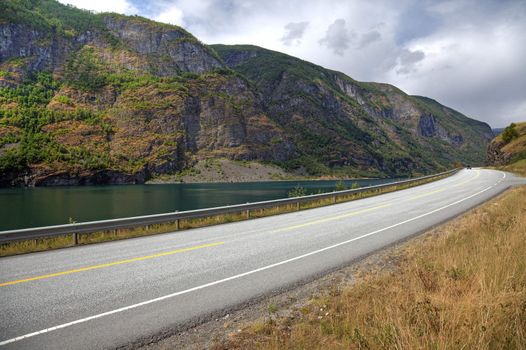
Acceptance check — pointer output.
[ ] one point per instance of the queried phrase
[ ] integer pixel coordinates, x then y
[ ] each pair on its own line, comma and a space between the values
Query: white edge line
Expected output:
151, 301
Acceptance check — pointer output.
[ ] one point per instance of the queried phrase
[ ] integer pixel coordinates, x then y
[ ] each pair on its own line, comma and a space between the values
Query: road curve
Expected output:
113, 294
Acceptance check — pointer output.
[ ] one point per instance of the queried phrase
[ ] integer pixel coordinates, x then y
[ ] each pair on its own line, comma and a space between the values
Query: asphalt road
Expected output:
113, 294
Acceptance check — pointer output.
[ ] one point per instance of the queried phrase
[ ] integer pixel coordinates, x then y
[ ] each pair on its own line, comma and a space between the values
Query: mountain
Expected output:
105, 98
112, 99
497, 131
508, 147
338, 121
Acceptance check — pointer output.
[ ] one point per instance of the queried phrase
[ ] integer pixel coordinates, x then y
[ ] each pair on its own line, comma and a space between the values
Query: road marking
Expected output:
331, 218
468, 180
426, 194
267, 267
445, 188
127, 261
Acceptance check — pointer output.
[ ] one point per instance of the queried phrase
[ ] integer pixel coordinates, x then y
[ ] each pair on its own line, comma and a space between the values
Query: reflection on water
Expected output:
43, 206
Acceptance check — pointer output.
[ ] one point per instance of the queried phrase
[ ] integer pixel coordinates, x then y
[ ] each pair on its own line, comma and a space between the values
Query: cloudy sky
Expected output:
467, 54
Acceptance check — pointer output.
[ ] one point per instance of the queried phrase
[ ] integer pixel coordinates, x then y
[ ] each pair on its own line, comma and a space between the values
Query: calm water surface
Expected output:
43, 206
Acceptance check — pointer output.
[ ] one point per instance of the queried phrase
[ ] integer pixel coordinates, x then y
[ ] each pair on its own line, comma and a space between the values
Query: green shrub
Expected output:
297, 191
510, 133
340, 186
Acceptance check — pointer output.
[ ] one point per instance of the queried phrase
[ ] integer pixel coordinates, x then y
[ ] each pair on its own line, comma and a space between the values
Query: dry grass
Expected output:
518, 167
281, 209
112, 235
212, 220
463, 288
36, 245
42, 244
68, 240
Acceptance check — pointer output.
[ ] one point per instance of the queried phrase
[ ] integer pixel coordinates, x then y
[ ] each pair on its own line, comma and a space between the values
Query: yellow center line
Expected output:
127, 261
468, 180
332, 218
320, 221
427, 194
445, 188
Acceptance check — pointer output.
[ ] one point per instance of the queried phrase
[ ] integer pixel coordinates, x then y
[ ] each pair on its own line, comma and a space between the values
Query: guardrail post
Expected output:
247, 214
298, 206
76, 237
177, 225
333, 199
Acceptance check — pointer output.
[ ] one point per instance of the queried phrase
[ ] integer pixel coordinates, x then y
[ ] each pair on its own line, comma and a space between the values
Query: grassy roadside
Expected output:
464, 287
69, 240
518, 167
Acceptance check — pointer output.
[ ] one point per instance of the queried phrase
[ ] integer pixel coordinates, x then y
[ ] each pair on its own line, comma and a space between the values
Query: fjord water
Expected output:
44, 206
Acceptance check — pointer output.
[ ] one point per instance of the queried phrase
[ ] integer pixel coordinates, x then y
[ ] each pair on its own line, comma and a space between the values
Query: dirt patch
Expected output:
225, 170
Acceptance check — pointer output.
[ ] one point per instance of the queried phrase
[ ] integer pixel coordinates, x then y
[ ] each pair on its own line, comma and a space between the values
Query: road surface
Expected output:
113, 294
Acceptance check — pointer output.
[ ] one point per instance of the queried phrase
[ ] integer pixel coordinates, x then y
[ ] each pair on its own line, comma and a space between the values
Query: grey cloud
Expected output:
293, 33
416, 22
408, 59
369, 38
411, 57
337, 37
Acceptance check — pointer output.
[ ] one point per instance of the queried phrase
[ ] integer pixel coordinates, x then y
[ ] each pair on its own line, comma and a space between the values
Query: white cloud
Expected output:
172, 15
119, 6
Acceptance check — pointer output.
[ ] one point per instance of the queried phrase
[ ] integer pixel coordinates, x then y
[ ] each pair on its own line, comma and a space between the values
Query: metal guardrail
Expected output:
138, 221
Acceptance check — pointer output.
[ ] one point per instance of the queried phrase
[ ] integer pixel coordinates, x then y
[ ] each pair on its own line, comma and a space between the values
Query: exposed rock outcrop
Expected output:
495, 154
170, 49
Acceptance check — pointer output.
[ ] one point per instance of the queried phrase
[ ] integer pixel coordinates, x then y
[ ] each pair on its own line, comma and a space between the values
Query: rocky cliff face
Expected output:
495, 154
170, 50
87, 99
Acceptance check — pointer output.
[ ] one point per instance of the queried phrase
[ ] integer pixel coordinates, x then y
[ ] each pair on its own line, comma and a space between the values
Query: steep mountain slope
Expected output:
509, 146
104, 98
338, 121
113, 99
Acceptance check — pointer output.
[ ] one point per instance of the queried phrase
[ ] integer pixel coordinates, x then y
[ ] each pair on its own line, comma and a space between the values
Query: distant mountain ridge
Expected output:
338, 120
497, 131
105, 98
